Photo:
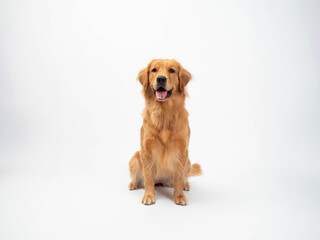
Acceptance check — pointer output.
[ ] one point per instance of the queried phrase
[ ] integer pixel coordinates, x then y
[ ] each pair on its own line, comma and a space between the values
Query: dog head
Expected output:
163, 78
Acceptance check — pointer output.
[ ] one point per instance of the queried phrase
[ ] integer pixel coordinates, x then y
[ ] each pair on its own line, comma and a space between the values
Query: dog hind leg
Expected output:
136, 173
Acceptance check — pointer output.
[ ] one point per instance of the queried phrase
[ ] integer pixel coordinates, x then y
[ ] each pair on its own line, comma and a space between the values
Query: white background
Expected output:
70, 118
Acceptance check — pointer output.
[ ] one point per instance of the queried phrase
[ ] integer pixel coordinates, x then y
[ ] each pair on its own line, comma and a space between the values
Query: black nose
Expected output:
161, 79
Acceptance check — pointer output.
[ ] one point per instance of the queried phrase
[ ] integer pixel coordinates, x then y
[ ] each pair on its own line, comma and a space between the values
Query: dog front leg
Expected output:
148, 173
179, 196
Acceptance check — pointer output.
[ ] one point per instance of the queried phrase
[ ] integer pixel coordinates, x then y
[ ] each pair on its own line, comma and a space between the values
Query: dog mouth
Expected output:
161, 93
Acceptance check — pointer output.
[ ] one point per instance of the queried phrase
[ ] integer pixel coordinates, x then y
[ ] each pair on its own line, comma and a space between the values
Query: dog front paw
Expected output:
148, 199
181, 200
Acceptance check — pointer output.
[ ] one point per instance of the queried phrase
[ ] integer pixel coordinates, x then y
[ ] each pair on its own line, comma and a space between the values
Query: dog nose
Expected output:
161, 79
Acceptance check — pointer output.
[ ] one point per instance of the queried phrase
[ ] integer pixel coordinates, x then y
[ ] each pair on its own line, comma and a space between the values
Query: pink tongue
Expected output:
161, 94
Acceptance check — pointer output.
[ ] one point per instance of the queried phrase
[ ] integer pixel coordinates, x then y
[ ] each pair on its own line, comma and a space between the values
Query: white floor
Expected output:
98, 205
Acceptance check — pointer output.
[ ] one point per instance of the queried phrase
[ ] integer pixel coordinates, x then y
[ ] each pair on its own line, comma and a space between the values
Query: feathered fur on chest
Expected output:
165, 121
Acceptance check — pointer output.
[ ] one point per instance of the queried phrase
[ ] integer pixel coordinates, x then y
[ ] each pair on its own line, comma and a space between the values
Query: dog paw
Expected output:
186, 186
181, 200
148, 199
133, 186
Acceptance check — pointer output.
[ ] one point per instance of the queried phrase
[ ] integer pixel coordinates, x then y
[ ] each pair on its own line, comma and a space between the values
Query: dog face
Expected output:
164, 78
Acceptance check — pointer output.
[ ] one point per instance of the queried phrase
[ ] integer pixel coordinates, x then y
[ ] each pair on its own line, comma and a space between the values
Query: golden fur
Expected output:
164, 137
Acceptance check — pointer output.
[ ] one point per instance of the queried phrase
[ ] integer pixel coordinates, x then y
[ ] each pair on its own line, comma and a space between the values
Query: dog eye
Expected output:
171, 70
154, 70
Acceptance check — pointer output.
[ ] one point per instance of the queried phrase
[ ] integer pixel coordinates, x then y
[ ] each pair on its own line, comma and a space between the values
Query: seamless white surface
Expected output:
70, 118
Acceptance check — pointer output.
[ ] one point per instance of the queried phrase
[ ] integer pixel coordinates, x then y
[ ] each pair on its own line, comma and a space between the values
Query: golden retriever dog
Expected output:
164, 136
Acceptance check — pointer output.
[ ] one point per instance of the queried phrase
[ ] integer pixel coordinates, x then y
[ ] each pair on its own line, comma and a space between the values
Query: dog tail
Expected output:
195, 170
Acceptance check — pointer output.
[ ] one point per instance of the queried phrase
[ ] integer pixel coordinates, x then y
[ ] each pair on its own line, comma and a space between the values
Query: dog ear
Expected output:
184, 78
143, 78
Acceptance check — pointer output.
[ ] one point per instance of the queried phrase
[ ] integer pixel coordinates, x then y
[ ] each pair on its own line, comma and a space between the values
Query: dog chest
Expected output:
166, 158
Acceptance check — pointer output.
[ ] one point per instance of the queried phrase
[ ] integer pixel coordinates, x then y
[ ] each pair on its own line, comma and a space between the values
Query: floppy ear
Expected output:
143, 78
184, 78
